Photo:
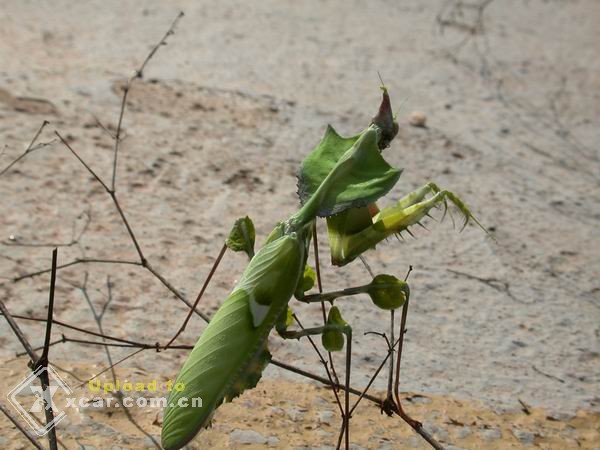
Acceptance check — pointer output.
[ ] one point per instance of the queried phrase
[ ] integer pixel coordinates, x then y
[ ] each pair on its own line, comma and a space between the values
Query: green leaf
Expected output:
333, 340
242, 237
388, 292
342, 173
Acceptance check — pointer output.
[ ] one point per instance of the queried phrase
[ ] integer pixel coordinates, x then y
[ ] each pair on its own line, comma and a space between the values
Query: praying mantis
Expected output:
340, 180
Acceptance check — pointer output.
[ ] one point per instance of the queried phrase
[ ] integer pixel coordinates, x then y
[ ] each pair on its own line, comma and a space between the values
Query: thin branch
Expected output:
346, 391
75, 328
363, 394
64, 339
372, 380
75, 262
552, 377
43, 360
494, 283
20, 427
329, 375
101, 125
113, 365
138, 74
89, 169
75, 237
30, 148
143, 261
20, 336
414, 424
391, 368
44, 357
175, 291
113, 195
325, 381
98, 317
204, 286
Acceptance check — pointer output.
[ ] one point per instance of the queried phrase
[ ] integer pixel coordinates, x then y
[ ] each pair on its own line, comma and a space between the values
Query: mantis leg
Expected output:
409, 211
386, 291
331, 296
297, 334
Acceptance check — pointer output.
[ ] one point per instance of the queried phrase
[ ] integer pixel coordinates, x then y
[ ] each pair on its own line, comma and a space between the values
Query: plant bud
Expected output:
388, 292
333, 340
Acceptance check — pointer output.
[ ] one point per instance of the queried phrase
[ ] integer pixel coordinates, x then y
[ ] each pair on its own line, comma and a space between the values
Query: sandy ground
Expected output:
217, 129
292, 415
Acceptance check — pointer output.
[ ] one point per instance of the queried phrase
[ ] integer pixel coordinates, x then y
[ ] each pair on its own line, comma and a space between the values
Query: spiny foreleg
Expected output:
393, 220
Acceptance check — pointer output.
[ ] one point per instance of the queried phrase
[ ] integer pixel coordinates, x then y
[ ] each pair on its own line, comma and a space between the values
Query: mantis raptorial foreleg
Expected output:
407, 212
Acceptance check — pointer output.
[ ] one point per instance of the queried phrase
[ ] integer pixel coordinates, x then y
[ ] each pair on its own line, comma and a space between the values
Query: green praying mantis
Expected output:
340, 180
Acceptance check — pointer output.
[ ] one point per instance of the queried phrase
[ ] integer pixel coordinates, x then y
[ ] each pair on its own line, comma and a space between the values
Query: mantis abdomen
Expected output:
231, 353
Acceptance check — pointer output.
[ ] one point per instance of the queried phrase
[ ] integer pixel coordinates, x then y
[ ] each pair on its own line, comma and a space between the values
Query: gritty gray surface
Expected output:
242, 92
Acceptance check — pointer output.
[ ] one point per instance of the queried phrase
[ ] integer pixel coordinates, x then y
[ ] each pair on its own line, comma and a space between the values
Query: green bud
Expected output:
388, 292
242, 236
285, 320
308, 279
333, 340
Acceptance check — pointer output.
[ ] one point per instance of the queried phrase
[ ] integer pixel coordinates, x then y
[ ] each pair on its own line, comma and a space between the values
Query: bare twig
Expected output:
42, 361
20, 427
494, 283
75, 237
20, 336
322, 380
329, 374
175, 291
98, 318
138, 74
65, 339
75, 262
363, 394
30, 148
372, 380
113, 365
143, 261
74, 328
547, 375
204, 286
414, 424
44, 358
